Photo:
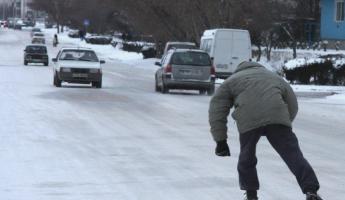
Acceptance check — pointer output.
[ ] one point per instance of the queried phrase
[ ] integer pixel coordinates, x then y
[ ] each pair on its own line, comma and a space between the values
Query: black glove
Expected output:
222, 149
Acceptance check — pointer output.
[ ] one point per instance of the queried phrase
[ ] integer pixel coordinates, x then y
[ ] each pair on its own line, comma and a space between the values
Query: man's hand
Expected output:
222, 149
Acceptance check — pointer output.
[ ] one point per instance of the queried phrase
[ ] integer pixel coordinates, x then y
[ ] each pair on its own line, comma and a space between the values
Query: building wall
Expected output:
330, 28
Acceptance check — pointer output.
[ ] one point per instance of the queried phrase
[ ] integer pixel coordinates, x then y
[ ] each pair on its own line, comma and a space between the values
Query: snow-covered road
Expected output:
126, 142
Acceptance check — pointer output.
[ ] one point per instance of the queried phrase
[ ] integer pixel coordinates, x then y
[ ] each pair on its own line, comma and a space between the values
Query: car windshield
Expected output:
79, 55
181, 46
36, 49
191, 58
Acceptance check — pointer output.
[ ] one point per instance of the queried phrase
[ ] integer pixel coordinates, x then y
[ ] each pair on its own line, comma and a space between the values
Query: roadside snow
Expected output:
302, 61
107, 52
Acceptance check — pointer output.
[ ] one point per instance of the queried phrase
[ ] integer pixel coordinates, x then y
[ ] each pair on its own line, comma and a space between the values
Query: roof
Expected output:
76, 48
36, 45
187, 43
213, 31
187, 50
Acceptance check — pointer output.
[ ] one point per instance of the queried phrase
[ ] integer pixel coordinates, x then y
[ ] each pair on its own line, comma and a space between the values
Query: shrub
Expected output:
315, 73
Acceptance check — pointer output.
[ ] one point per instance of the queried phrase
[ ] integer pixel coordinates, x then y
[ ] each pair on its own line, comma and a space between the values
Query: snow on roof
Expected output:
75, 48
213, 31
188, 43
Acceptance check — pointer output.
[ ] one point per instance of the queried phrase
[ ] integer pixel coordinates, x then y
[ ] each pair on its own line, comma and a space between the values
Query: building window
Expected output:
339, 13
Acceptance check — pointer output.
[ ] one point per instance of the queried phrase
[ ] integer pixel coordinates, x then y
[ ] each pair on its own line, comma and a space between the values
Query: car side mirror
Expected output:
158, 64
102, 61
54, 59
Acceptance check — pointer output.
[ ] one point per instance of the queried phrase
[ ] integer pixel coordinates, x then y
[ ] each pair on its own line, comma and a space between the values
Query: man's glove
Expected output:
222, 149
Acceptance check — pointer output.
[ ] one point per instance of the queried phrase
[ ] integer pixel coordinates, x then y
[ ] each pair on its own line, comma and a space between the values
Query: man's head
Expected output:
246, 65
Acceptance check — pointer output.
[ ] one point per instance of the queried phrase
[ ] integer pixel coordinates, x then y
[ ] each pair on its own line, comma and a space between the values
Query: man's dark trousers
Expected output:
284, 141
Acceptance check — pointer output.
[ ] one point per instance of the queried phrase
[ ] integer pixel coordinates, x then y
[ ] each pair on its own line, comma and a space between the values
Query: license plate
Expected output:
191, 72
79, 75
222, 66
186, 72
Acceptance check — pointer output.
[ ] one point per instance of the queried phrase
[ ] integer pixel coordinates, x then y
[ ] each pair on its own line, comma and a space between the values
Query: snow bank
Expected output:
107, 52
319, 88
302, 61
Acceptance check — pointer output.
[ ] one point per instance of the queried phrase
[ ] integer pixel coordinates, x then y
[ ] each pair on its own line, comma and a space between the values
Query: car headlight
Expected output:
95, 70
65, 69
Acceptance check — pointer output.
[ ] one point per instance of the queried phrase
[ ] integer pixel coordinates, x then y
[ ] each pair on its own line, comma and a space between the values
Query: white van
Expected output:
227, 48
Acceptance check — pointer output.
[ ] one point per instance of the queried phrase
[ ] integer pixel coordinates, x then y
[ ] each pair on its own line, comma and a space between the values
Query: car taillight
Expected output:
213, 70
168, 69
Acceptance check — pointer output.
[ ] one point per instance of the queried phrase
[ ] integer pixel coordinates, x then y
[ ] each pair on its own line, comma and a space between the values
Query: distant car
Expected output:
179, 45
38, 40
36, 54
185, 69
35, 30
73, 34
3, 24
99, 39
11, 22
30, 23
149, 51
19, 24
48, 24
77, 65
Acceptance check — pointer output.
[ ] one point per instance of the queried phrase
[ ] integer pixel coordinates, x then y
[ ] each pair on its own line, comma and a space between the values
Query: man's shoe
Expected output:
313, 196
249, 197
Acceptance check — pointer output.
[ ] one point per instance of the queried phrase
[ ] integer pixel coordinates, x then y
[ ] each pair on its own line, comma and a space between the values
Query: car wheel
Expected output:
210, 91
164, 89
93, 84
99, 84
57, 81
202, 92
25, 63
46, 64
157, 89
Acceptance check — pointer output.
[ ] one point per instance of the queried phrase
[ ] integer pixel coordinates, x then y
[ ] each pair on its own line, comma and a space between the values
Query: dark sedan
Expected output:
36, 54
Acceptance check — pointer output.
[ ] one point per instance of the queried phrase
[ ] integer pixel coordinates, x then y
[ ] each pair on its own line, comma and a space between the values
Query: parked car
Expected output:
185, 69
28, 23
38, 40
48, 24
73, 34
77, 65
19, 24
11, 22
227, 48
35, 30
149, 51
36, 54
3, 24
179, 45
98, 39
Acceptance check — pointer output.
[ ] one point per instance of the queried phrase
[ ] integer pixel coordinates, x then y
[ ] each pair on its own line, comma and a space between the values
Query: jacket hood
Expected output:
247, 65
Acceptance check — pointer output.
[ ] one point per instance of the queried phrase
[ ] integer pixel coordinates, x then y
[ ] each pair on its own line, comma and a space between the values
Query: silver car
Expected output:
185, 69
179, 45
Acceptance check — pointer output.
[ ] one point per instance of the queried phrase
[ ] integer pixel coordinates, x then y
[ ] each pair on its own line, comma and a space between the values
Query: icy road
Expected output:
126, 142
